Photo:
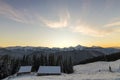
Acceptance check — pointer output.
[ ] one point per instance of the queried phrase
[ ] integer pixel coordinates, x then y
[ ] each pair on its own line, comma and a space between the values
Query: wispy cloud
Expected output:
63, 20
84, 28
10, 12
113, 24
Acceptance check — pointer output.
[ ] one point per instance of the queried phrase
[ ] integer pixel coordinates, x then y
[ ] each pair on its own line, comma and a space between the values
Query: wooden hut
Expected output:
24, 70
49, 70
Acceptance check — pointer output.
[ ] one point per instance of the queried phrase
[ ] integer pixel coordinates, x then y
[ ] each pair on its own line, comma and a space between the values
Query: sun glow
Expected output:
59, 23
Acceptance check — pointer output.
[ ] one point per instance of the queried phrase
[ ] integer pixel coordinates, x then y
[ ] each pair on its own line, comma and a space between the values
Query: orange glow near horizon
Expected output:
58, 45
60, 23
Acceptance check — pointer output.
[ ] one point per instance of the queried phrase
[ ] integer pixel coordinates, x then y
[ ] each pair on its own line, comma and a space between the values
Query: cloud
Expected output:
63, 21
10, 12
113, 24
83, 28
17, 15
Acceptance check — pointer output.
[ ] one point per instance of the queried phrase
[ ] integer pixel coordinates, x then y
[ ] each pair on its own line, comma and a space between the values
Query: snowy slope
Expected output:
92, 71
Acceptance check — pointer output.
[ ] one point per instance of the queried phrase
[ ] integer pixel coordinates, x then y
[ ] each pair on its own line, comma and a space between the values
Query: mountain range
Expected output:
78, 53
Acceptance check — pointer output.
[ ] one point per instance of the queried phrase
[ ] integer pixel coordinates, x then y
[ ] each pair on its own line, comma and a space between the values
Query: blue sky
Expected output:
59, 23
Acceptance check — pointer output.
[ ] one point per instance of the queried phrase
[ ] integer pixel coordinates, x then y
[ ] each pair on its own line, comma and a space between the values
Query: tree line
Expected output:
10, 65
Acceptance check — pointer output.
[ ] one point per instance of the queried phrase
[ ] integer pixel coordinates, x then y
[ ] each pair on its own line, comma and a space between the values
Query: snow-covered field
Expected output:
92, 71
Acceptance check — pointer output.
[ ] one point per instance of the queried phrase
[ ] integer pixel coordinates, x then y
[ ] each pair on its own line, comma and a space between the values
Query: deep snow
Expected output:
91, 71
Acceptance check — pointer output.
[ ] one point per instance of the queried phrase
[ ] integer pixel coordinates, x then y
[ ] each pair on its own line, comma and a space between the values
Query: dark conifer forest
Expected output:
10, 65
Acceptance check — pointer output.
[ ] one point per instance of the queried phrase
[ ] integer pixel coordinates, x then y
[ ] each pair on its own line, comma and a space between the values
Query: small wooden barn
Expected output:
24, 70
49, 70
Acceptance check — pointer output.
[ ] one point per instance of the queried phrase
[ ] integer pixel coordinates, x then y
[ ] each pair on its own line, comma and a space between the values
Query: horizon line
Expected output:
59, 47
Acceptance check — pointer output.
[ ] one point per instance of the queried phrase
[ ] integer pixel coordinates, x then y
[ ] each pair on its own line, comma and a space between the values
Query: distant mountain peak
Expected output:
97, 47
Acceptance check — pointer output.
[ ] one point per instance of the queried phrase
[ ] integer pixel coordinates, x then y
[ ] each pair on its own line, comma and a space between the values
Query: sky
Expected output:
60, 23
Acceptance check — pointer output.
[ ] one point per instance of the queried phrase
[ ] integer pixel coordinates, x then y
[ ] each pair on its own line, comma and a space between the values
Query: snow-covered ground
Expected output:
92, 71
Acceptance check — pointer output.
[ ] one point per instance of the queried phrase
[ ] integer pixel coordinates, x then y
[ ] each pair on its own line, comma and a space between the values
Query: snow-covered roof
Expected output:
49, 70
25, 69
